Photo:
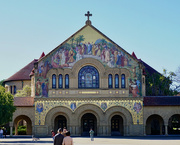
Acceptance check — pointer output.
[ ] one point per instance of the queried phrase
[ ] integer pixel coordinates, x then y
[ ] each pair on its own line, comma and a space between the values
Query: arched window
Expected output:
11, 89
66, 81
123, 81
88, 77
116, 81
14, 89
110, 81
60, 81
53, 81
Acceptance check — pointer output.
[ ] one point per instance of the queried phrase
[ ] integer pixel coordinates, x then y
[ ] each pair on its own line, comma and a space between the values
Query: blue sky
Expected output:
150, 28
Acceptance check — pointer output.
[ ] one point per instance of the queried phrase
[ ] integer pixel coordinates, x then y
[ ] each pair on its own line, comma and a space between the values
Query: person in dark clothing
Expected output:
58, 139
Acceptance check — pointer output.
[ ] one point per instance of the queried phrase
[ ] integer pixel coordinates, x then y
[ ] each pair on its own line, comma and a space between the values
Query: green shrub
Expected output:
21, 130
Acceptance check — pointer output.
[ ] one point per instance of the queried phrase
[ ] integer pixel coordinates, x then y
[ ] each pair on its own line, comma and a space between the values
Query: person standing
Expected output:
1, 133
58, 139
91, 132
67, 140
5, 132
64, 132
53, 134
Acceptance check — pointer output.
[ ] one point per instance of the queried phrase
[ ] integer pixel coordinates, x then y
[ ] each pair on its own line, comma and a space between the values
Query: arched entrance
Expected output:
117, 126
23, 125
155, 125
174, 124
60, 122
88, 121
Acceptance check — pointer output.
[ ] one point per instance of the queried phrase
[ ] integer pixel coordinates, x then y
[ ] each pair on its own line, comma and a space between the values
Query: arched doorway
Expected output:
88, 121
155, 125
23, 125
174, 124
60, 122
117, 126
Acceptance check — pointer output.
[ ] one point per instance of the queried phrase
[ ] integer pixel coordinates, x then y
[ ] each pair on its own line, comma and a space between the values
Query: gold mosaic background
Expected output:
135, 107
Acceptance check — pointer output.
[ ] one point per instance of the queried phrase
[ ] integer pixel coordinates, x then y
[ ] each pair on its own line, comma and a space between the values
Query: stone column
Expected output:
32, 130
166, 130
127, 130
104, 130
11, 131
11, 128
77, 128
144, 129
109, 130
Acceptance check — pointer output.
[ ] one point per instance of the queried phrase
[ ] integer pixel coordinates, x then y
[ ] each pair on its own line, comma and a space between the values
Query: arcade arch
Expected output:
28, 121
58, 117
155, 125
122, 117
174, 124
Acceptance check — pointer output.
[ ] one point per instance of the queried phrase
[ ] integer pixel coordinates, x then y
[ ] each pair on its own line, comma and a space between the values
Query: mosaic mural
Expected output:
133, 106
88, 43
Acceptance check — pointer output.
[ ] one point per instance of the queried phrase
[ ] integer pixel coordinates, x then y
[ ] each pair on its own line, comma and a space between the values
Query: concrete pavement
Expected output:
148, 140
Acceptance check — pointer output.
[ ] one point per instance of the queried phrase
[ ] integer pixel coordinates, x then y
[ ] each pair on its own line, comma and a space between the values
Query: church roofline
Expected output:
22, 74
89, 24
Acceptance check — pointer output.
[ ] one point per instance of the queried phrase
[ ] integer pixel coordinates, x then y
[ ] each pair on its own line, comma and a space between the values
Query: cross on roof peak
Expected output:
88, 15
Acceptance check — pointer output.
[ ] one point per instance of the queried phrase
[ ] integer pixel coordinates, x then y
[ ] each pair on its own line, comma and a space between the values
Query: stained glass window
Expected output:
110, 81
123, 82
66, 81
53, 81
60, 81
116, 81
88, 77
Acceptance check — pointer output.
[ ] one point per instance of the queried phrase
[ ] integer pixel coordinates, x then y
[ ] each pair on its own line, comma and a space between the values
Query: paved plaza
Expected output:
156, 140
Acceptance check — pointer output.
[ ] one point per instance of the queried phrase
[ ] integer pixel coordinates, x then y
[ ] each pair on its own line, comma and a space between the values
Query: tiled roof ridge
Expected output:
161, 101
23, 74
24, 101
148, 68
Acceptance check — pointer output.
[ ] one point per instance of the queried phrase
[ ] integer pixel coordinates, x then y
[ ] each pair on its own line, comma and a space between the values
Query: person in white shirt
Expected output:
1, 133
67, 140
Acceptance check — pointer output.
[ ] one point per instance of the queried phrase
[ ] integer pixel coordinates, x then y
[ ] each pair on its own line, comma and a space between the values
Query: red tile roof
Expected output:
23, 101
161, 101
148, 68
22, 74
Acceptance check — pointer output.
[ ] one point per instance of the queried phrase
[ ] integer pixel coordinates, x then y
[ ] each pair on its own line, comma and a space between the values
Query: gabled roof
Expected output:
23, 101
148, 68
22, 74
88, 24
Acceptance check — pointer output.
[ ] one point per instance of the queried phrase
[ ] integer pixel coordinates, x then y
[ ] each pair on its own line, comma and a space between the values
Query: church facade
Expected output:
86, 82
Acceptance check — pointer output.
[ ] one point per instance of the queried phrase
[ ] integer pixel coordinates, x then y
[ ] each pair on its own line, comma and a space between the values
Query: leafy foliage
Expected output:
176, 80
159, 84
79, 39
22, 130
25, 92
2, 83
6, 106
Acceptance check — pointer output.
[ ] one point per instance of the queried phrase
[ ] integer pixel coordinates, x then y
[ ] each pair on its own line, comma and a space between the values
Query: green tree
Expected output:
6, 106
77, 40
25, 92
2, 83
72, 40
81, 38
176, 80
160, 84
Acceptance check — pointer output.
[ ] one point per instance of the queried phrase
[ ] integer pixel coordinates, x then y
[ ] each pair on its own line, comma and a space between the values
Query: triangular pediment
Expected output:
88, 42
